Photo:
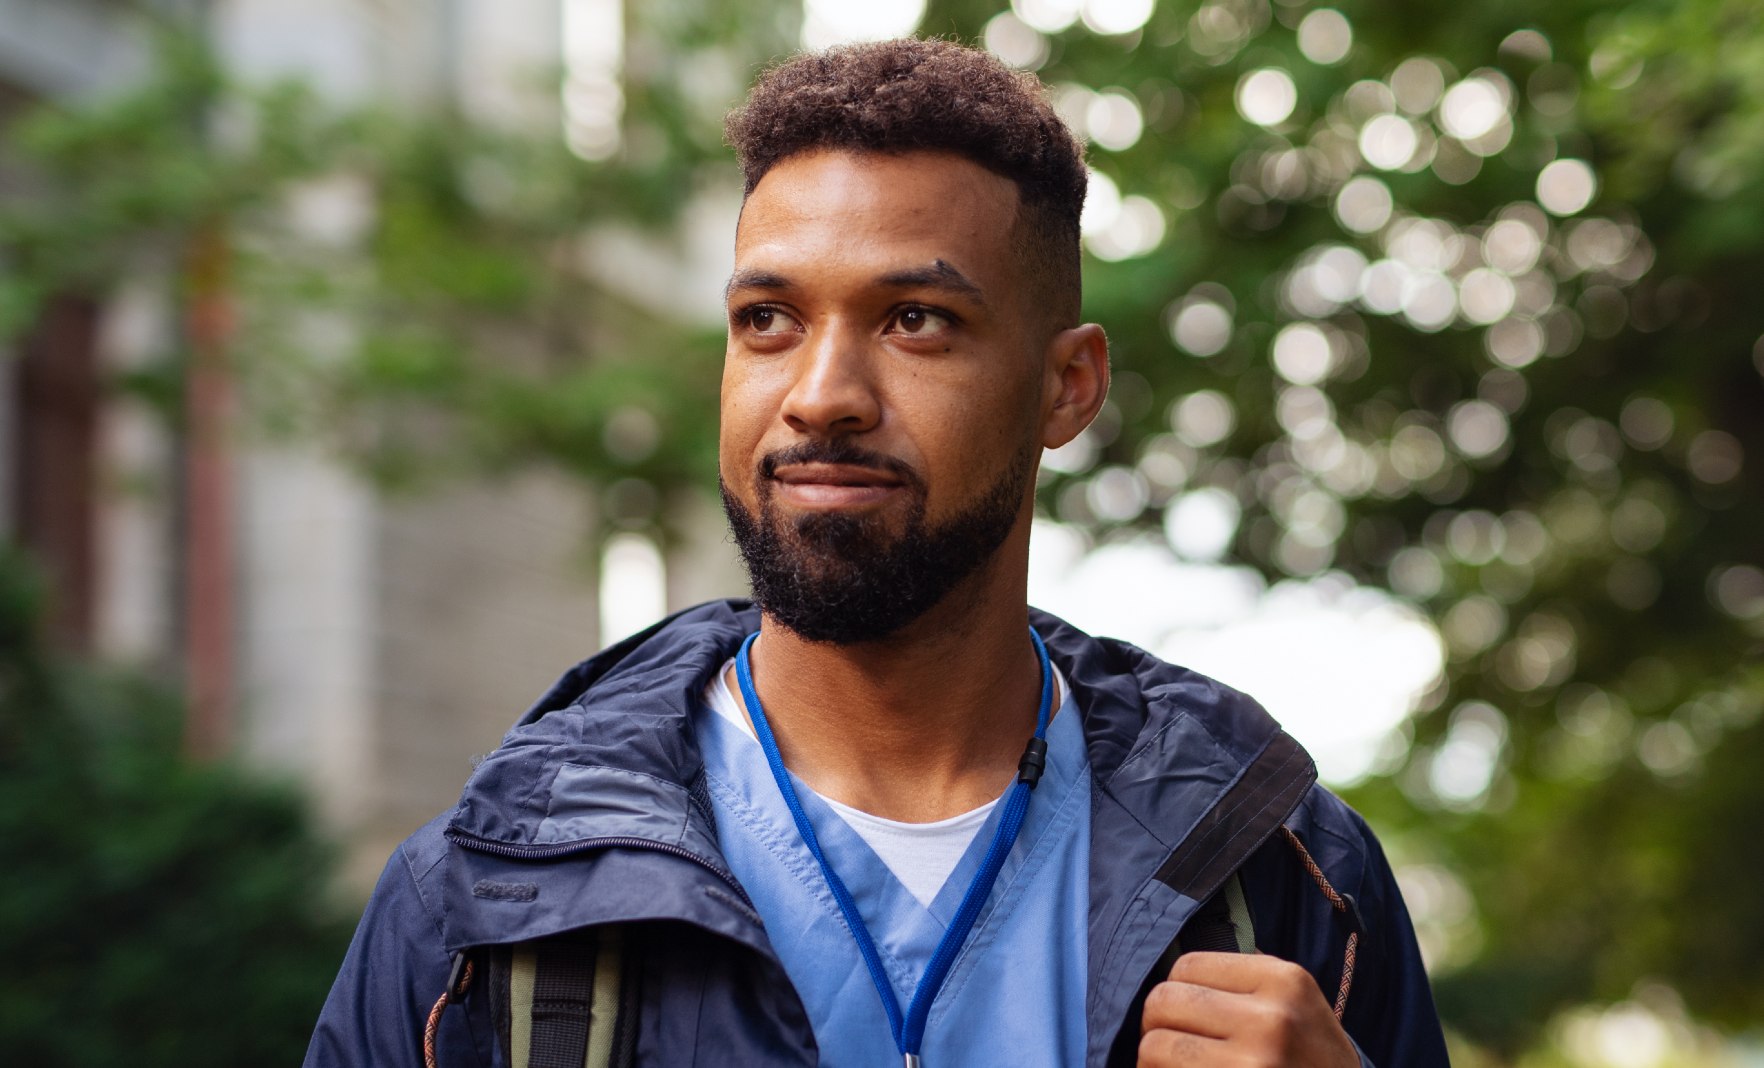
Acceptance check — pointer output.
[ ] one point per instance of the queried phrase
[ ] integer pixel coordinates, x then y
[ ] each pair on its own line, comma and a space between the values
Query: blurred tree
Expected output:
423, 294
1458, 300
153, 912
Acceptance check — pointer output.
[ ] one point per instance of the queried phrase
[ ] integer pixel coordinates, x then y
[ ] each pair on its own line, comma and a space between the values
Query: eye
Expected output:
765, 320
920, 322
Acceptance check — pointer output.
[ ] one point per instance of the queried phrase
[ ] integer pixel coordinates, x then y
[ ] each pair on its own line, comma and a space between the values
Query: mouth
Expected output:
827, 485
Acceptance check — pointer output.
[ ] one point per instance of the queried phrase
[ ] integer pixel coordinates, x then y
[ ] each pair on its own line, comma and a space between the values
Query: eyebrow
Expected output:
751, 278
938, 275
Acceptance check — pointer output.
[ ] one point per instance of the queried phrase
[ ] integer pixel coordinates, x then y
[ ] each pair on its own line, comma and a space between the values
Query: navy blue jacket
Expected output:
593, 812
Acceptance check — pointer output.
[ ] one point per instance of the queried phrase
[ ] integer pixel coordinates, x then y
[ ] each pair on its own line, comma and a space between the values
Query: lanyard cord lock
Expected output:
1034, 762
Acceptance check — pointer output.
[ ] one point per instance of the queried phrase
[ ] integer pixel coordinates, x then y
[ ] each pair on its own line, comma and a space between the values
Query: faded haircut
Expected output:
931, 95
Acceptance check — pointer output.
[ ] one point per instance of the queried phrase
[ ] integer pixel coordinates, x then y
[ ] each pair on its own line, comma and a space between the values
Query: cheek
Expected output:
749, 406
979, 413
966, 445
732, 430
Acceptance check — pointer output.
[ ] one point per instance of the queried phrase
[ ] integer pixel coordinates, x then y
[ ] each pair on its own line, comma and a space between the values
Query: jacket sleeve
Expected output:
390, 979
1389, 1013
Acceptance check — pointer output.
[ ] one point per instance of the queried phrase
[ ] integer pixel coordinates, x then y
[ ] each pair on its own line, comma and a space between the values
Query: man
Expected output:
891, 815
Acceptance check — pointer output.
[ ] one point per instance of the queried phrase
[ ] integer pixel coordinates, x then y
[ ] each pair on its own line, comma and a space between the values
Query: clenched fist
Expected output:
1242, 1011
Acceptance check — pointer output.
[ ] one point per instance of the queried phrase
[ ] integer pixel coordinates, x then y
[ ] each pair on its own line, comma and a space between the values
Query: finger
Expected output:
1244, 973
1196, 1010
1173, 1049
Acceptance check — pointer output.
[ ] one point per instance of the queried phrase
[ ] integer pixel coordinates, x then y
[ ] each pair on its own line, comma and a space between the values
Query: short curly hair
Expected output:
930, 95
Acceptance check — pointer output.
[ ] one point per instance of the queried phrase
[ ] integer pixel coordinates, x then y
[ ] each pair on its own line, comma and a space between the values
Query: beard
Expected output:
843, 579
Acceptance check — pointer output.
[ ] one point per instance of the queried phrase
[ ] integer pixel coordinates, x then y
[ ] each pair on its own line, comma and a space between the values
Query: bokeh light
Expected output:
1303, 354
1512, 246
1646, 422
1325, 36
1417, 84
1114, 17
1117, 494
1266, 97
1200, 325
1464, 765
1715, 457
1204, 417
1738, 590
1477, 428
1135, 229
1200, 525
1047, 16
1472, 109
1102, 204
1389, 142
1113, 120
1363, 205
831, 22
1566, 186
1015, 41
1485, 296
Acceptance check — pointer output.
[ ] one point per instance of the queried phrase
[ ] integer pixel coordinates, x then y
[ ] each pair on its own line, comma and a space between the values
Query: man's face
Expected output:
883, 386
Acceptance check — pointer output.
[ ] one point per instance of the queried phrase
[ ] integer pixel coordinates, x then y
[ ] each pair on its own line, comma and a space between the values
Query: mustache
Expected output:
837, 451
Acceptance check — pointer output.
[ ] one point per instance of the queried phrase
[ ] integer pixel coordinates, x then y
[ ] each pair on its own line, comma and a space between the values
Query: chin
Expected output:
849, 576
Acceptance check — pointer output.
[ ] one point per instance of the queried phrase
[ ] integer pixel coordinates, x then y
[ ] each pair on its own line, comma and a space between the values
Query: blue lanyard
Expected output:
909, 1032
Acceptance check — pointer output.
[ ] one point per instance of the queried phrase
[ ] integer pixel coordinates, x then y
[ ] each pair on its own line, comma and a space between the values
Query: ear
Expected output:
1075, 383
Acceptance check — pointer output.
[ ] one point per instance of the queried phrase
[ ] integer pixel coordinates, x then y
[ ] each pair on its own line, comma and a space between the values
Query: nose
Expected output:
833, 392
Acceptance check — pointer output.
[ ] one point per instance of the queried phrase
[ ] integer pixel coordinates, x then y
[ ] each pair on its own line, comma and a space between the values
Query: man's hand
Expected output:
1242, 1010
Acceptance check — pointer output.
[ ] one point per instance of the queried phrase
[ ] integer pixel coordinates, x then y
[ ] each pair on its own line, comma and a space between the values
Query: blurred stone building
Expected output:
367, 646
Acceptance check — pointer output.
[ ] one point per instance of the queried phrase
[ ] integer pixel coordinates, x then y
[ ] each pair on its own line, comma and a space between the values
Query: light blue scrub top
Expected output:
1015, 995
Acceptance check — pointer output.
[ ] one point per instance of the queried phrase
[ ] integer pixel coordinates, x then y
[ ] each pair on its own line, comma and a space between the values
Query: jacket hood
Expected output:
1189, 777
623, 716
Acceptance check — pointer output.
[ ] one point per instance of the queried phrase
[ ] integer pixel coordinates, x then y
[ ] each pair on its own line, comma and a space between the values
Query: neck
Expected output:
926, 724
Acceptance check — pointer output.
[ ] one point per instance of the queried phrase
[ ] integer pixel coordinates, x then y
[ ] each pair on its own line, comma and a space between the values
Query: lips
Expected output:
830, 485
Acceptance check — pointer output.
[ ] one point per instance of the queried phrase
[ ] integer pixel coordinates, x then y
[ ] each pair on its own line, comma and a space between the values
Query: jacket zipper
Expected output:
551, 852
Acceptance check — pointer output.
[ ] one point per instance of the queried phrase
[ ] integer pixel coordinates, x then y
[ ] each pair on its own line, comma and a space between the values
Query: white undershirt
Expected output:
921, 855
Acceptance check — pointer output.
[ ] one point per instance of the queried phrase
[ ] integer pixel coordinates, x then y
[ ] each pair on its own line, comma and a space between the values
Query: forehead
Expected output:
877, 210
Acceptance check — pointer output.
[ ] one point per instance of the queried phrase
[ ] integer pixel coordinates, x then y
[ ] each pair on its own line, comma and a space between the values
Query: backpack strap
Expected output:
566, 1002
1221, 925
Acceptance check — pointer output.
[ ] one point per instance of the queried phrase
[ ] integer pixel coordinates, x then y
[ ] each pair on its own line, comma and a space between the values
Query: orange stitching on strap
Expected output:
433, 1026
1335, 899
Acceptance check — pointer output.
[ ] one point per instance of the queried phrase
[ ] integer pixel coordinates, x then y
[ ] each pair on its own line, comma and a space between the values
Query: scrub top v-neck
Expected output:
1015, 994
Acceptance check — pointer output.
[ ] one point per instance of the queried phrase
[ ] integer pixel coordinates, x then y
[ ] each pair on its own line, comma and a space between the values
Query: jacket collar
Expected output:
603, 768
1189, 777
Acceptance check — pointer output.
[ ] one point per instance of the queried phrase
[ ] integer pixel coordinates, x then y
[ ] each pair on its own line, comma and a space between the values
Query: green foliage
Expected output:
1586, 560
410, 292
153, 912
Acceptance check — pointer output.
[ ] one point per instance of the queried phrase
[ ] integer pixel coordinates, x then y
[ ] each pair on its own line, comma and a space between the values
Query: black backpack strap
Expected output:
562, 1005
1221, 925
566, 1002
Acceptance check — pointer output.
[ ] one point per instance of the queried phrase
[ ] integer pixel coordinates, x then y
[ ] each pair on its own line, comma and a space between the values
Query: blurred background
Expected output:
358, 373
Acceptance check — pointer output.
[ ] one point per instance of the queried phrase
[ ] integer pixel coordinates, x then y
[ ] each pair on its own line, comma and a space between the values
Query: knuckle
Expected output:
1302, 981
1265, 1053
1159, 1048
1168, 1001
1193, 964
1278, 1022
1163, 996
